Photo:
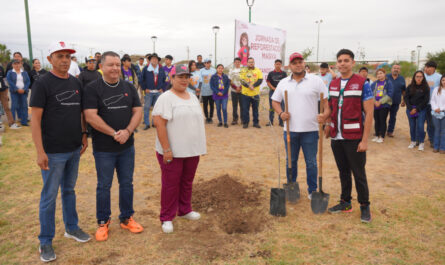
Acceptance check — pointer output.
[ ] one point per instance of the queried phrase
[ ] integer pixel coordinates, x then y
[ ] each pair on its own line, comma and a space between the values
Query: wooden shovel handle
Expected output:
286, 107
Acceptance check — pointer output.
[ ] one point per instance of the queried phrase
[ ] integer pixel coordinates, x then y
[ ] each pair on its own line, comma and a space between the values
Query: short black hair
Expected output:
278, 61
237, 59
199, 55
345, 52
19, 53
363, 69
431, 64
126, 58
141, 58
219, 65
324, 65
147, 55
250, 58
169, 57
97, 53
108, 54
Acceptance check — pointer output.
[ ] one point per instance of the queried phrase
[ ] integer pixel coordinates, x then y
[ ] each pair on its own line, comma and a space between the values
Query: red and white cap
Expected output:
294, 56
60, 46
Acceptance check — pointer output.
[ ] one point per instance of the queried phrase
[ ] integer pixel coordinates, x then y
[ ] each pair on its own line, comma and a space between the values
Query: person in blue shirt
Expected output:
206, 92
326, 74
399, 87
383, 94
19, 82
433, 80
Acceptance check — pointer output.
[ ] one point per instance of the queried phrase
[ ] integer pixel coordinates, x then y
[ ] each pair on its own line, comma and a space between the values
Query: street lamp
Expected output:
418, 56
318, 36
28, 29
154, 39
215, 30
250, 4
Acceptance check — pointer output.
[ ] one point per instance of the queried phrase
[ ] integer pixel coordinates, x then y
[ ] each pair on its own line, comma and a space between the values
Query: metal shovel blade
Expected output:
292, 192
277, 202
319, 202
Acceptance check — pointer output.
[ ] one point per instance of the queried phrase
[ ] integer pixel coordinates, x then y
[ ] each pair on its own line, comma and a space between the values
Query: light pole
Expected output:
28, 28
250, 4
418, 56
154, 39
318, 36
215, 30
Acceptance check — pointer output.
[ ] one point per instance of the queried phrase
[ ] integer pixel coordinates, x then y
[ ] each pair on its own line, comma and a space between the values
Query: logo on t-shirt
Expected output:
354, 87
64, 96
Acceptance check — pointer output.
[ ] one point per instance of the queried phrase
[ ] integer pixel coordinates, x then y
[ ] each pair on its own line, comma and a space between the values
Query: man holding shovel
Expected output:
352, 105
303, 93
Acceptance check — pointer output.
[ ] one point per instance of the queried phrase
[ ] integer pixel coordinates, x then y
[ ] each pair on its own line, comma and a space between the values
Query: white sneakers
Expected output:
15, 126
167, 227
412, 145
310, 197
191, 216
380, 140
375, 139
421, 147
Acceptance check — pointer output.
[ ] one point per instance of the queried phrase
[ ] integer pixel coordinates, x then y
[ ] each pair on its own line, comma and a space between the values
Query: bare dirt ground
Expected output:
231, 191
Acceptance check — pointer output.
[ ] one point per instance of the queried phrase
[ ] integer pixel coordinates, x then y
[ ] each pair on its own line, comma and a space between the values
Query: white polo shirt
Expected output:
303, 101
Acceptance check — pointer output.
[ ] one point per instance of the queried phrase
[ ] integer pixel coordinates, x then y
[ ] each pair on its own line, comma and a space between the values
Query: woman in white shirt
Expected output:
180, 141
438, 113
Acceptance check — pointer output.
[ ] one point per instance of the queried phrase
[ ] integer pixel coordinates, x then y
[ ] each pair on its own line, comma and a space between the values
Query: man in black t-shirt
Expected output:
199, 63
58, 131
112, 107
273, 78
90, 73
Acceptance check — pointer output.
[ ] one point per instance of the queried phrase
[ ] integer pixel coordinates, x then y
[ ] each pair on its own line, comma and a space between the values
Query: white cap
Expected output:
60, 46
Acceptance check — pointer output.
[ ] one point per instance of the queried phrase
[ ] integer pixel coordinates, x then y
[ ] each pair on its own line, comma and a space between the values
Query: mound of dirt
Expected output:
234, 205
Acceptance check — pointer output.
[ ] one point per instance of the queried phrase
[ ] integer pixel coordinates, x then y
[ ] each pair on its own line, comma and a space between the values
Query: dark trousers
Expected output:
272, 112
247, 102
106, 163
208, 100
349, 160
392, 117
236, 101
380, 116
429, 124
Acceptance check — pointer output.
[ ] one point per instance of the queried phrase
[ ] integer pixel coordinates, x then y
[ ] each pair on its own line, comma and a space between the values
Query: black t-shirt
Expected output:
61, 119
275, 77
89, 76
115, 106
34, 75
2, 81
200, 65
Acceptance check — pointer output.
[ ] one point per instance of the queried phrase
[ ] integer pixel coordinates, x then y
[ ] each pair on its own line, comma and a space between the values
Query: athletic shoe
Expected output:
226, 125
421, 147
435, 150
365, 216
78, 235
47, 253
343, 206
191, 216
412, 145
220, 124
25, 124
167, 227
210, 120
375, 139
310, 197
146, 127
15, 126
257, 126
380, 140
245, 125
269, 124
390, 134
102, 231
234, 122
131, 225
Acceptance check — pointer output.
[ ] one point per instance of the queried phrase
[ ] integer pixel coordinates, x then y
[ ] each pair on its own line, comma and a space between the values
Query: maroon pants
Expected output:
177, 182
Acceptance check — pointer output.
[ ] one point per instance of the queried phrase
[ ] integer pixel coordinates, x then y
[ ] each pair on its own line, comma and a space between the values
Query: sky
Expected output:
383, 29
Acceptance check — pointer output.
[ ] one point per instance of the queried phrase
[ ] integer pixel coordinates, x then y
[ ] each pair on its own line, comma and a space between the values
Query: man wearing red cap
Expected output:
303, 91
59, 135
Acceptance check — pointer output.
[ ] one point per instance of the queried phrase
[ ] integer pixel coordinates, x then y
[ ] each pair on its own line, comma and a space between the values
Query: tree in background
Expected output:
439, 58
306, 53
407, 69
5, 54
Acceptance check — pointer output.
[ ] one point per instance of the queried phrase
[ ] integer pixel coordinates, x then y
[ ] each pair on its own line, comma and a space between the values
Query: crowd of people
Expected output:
110, 97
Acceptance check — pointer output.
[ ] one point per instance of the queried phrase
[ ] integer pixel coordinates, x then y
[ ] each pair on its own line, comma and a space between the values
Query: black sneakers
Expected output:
257, 126
365, 216
78, 235
226, 125
343, 206
47, 253
220, 124
245, 125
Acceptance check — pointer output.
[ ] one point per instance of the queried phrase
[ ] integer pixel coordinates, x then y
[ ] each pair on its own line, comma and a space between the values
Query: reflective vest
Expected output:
351, 110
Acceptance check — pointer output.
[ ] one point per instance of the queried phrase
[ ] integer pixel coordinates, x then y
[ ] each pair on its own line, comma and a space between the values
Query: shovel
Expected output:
292, 189
320, 200
278, 196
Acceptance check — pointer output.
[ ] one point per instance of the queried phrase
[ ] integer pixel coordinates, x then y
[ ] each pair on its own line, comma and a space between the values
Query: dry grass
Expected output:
407, 194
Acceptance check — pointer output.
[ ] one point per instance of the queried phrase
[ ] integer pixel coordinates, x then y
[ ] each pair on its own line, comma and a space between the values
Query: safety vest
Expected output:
351, 107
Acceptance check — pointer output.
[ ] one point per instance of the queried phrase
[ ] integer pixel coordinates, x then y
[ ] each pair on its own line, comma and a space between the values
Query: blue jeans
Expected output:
429, 123
19, 105
63, 169
150, 100
417, 126
392, 117
309, 142
106, 162
245, 106
271, 110
221, 104
439, 134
